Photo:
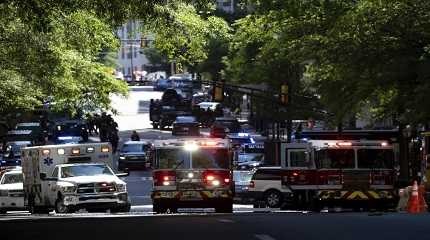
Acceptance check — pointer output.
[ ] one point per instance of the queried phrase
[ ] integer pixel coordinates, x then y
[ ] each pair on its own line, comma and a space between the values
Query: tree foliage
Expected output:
189, 38
355, 55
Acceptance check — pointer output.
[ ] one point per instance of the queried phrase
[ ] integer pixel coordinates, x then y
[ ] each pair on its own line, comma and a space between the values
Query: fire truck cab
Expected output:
192, 173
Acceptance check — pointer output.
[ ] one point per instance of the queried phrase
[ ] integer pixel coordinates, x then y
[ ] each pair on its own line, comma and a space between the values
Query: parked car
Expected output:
223, 126
186, 125
11, 191
134, 154
162, 84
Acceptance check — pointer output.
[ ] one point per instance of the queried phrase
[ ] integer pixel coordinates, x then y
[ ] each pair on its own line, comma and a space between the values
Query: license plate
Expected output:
185, 128
190, 196
71, 199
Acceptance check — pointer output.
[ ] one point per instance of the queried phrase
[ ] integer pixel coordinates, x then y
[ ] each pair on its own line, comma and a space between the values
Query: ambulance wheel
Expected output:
60, 207
273, 199
124, 209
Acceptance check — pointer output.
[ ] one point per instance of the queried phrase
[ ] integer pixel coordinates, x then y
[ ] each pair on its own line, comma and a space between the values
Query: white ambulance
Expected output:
70, 177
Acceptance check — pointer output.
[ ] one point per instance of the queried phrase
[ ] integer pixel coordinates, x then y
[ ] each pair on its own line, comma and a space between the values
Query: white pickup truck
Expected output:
70, 177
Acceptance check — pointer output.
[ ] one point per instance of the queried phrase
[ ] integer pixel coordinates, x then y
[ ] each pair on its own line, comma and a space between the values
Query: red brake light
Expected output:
164, 178
251, 184
216, 177
295, 174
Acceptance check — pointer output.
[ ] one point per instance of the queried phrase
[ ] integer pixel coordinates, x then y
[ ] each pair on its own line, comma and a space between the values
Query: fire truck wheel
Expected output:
273, 198
225, 208
158, 208
60, 207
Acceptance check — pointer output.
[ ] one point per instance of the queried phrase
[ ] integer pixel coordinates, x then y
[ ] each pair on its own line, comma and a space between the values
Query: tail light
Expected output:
333, 180
251, 184
164, 178
378, 180
216, 178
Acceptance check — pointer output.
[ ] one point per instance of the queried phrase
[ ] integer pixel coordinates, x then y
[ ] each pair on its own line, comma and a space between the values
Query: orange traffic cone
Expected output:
422, 193
414, 200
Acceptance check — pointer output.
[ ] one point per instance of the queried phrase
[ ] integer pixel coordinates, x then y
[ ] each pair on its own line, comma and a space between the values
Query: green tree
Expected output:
188, 38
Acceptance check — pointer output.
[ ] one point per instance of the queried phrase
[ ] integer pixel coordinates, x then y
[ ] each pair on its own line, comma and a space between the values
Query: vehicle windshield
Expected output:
250, 157
375, 158
335, 158
12, 178
85, 170
201, 158
242, 176
133, 148
16, 147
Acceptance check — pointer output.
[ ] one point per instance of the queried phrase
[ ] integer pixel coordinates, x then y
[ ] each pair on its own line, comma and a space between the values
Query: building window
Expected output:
143, 67
135, 54
128, 71
122, 53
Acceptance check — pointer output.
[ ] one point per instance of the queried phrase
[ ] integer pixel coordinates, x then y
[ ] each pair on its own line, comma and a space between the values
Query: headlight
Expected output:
3, 193
121, 187
122, 157
68, 189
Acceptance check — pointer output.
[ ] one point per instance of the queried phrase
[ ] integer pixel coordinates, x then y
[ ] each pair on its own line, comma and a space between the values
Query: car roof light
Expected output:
191, 146
105, 149
46, 151
76, 151
344, 144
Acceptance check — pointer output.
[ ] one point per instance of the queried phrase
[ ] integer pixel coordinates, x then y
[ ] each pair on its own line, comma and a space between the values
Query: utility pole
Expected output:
131, 62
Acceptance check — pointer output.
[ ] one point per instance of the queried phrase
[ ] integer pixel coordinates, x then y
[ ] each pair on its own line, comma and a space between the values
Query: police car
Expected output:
11, 191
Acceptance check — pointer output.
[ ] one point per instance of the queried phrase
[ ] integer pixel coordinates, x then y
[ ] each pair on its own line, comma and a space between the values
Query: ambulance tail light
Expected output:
164, 178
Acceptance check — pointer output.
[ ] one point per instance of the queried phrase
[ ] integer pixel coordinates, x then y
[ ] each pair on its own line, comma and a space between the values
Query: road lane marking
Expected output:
140, 196
263, 237
225, 220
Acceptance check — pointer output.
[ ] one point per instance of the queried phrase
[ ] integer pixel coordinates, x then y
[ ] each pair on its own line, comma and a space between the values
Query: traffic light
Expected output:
144, 42
284, 94
218, 93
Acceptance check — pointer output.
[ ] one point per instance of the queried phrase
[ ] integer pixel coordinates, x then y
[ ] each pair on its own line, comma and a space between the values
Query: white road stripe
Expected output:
225, 220
263, 237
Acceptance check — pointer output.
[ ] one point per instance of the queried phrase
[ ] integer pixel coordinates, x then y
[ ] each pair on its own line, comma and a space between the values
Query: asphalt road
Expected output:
249, 226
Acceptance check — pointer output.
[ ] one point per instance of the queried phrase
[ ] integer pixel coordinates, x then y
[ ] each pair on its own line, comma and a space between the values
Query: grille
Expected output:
16, 193
91, 188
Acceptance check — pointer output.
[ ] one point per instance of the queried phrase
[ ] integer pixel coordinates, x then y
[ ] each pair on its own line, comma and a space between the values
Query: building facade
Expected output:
130, 58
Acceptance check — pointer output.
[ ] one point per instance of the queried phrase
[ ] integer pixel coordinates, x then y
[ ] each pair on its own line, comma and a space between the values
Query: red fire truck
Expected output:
192, 173
319, 173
